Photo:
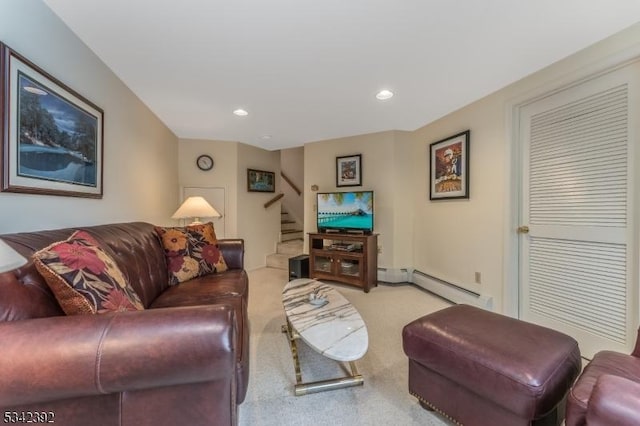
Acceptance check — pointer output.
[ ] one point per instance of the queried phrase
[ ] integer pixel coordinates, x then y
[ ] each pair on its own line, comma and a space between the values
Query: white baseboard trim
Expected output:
393, 276
446, 290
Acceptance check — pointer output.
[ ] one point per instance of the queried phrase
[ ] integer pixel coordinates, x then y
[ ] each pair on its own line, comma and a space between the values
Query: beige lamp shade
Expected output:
9, 258
196, 208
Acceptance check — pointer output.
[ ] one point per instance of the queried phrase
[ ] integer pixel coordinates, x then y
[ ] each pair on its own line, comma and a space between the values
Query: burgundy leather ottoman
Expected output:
481, 368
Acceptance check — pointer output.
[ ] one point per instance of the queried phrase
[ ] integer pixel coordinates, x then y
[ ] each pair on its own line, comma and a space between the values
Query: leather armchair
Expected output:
608, 391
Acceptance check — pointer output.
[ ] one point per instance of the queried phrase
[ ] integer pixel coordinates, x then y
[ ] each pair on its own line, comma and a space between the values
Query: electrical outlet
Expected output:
478, 278
379, 249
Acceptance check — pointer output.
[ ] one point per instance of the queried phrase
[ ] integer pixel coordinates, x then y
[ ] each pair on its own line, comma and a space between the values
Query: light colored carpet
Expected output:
383, 400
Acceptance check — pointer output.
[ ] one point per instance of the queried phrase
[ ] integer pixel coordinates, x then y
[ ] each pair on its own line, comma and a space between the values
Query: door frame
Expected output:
513, 175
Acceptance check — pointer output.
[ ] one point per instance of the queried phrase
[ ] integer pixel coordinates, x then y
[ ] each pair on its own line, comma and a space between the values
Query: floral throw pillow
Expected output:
191, 251
84, 278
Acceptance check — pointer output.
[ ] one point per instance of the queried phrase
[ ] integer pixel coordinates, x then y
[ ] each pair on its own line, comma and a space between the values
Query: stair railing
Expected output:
293, 185
273, 200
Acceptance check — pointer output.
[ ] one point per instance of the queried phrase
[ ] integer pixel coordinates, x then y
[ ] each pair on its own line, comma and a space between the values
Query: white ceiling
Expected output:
308, 70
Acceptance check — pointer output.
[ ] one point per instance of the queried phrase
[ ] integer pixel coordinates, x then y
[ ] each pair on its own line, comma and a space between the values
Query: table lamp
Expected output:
196, 208
9, 258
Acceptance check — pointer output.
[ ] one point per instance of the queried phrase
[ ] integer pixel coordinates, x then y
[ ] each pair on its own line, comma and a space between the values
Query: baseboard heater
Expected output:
444, 289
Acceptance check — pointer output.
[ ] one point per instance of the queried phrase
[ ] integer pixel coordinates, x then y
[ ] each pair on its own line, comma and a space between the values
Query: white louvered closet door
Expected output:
578, 262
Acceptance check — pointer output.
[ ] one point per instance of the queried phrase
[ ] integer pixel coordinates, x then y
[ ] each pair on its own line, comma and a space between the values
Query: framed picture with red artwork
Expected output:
449, 174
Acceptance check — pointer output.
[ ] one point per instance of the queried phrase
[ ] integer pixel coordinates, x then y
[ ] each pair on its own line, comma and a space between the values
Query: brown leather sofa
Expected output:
608, 391
182, 360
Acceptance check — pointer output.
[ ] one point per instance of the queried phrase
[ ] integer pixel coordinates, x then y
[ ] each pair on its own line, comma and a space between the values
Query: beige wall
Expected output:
245, 215
378, 165
140, 170
453, 239
403, 193
223, 174
447, 239
259, 227
292, 165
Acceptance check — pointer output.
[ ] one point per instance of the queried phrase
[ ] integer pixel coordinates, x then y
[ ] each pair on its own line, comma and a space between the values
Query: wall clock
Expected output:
205, 162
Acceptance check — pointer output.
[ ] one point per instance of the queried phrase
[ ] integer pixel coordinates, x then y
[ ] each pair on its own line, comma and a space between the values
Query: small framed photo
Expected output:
261, 181
349, 170
449, 175
51, 136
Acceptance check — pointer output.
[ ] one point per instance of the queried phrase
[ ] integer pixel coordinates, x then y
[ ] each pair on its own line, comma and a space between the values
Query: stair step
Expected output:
290, 231
278, 261
288, 236
291, 247
288, 227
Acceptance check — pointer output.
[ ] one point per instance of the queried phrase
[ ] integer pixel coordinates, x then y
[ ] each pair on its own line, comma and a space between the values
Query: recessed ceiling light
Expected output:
383, 95
240, 112
266, 137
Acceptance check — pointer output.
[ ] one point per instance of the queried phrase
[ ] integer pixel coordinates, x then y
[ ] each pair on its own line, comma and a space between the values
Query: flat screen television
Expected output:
345, 211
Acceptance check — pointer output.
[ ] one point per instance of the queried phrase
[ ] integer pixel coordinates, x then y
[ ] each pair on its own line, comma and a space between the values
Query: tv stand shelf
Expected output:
346, 258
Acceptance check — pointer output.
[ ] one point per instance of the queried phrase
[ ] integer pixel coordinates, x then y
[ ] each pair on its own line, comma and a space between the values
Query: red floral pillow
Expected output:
191, 252
85, 279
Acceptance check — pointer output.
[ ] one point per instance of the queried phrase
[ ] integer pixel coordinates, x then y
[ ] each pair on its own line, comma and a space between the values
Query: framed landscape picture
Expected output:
52, 137
349, 170
449, 175
261, 181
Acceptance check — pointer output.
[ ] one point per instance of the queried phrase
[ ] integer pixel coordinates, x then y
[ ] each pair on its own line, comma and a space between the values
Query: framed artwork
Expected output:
349, 170
52, 137
261, 181
449, 175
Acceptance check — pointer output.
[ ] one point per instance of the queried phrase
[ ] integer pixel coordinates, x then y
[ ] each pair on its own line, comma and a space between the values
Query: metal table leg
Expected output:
301, 388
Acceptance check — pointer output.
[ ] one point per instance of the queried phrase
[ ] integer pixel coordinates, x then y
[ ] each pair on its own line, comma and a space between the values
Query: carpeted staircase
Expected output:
289, 228
291, 244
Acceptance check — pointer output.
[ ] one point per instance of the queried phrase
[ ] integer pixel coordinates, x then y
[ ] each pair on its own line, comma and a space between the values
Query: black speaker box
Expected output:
299, 267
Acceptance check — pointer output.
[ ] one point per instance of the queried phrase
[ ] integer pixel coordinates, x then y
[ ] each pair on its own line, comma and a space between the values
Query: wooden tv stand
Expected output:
344, 257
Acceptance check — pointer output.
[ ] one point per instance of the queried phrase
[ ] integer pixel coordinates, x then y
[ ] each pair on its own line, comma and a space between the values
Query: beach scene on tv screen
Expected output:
346, 210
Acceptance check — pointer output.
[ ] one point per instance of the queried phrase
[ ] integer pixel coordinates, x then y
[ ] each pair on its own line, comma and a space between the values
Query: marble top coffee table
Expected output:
330, 325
